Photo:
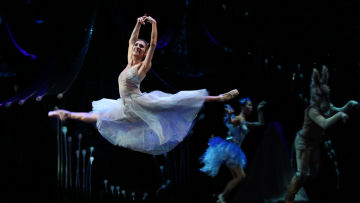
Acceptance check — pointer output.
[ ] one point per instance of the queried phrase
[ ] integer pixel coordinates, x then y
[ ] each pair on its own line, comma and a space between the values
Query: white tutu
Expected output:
153, 122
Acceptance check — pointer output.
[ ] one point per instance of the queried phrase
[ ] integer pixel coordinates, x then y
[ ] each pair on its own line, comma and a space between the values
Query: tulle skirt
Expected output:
152, 123
221, 151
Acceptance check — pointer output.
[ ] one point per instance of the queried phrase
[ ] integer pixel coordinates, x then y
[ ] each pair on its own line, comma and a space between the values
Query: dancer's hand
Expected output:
344, 117
141, 20
149, 19
228, 109
261, 105
354, 104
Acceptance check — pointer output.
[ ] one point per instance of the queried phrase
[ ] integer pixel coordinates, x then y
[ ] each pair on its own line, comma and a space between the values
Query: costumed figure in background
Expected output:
319, 116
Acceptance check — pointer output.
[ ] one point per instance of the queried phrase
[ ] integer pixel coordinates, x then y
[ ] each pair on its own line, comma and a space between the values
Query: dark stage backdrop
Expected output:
67, 54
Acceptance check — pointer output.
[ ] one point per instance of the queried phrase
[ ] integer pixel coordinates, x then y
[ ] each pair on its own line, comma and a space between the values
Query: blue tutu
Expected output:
221, 151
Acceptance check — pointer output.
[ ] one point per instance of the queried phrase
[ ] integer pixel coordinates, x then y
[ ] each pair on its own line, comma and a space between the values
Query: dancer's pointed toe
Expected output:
60, 114
229, 95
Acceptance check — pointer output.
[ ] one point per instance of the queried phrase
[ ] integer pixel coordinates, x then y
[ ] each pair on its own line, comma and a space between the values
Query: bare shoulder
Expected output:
239, 119
313, 109
314, 112
143, 68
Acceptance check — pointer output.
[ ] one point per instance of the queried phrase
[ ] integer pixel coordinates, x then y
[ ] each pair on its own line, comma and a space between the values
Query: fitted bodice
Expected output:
129, 83
237, 134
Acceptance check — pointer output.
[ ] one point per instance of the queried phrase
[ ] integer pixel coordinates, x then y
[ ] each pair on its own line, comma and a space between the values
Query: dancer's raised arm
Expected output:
146, 65
260, 122
134, 36
230, 118
325, 123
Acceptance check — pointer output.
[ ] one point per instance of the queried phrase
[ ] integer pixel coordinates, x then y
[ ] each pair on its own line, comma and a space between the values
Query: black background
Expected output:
259, 48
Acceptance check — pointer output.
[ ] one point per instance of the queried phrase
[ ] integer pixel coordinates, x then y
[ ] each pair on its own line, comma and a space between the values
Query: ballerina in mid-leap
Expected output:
154, 122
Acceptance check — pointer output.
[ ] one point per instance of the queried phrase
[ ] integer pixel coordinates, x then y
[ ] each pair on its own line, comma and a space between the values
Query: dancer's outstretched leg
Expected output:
81, 116
223, 97
90, 117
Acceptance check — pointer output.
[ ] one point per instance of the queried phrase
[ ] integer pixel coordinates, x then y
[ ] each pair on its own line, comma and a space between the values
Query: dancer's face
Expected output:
321, 96
247, 108
139, 48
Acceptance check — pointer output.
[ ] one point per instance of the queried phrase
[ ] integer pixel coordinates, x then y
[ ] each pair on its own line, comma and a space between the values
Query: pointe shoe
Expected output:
290, 196
221, 198
289, 199
229, 95
60, 114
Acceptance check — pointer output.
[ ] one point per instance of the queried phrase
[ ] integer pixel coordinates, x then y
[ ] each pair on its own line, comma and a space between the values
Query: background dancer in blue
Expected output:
228, 151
